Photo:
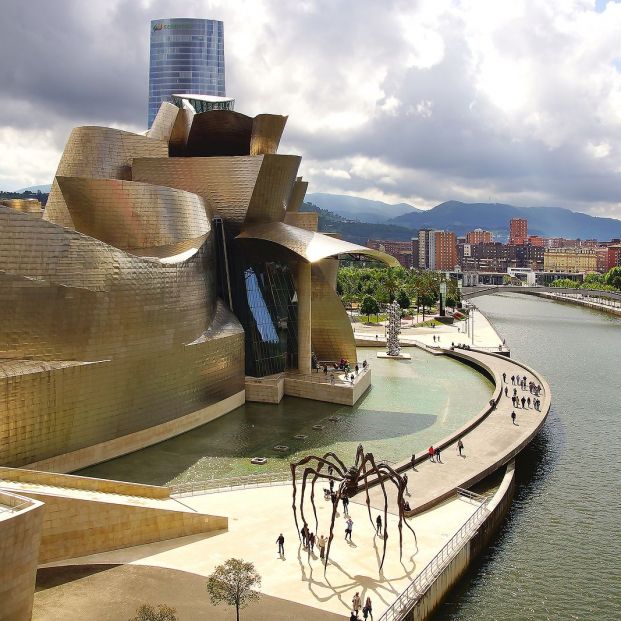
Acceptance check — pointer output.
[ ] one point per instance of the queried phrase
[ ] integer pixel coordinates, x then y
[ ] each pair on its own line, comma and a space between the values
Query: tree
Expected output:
565, 283
613, 277
403, 300
234, 584
147, 612
369, 306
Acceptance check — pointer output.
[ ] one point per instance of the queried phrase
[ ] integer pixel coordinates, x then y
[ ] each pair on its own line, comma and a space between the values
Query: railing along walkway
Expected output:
408, 598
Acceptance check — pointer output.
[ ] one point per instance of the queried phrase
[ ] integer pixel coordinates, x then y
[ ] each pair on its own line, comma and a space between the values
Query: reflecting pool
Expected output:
411, 404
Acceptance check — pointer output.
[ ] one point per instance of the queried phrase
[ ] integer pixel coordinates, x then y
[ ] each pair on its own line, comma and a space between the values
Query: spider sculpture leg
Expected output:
365, 475
369, 457
331, 535
293, 467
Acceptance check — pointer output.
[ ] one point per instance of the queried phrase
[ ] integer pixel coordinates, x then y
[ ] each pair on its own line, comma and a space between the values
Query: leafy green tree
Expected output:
613, 277
234, 583
146, 612
565, 283
403, 299
369, 306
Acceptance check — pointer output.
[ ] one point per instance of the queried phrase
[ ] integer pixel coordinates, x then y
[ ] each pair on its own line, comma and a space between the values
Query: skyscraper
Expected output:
187, 56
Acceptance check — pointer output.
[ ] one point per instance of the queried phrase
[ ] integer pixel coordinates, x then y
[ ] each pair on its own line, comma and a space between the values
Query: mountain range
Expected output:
463, 217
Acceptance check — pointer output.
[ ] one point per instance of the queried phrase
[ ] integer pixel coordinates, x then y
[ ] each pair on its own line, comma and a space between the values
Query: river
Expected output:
558, 555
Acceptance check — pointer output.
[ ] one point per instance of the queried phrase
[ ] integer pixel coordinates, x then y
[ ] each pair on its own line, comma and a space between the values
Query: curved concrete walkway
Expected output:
490, 440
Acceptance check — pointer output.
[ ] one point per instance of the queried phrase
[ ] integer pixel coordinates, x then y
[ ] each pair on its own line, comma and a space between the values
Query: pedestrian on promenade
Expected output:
528, 402
504, 378
513, 415
506, 392
431, 453
378, 522
349, 525
356, 602
523, 402
460, 447
368, 607
281, 544
413, 461
437, 452
345, 505
405, 480
354, 616
515, 391
321, 544
311, 542
513, 380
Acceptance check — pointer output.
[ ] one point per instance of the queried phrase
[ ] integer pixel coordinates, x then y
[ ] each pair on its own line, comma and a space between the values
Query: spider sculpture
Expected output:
348, 481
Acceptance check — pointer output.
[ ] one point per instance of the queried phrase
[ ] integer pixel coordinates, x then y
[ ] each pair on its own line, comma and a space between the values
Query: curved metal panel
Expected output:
180, 131
332, 335
219, 132
267, 131
131, 215
99, 152
309, 245
272, 189
67, 296
297, 195
164, 122
226, 184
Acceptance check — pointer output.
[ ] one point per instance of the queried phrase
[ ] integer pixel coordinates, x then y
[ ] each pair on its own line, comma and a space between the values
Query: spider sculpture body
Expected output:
349, 482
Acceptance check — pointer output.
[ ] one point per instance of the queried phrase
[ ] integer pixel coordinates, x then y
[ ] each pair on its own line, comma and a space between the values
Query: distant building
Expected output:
478, 236
614, 256
518, 231
445, 249
401, 250
426, 249
415, 253
570, 260
187, 56
536, 240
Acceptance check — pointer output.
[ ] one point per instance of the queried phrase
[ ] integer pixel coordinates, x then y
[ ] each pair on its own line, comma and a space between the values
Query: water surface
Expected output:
558, 555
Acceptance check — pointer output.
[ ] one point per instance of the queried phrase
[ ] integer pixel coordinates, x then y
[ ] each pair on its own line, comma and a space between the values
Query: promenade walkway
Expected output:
492, 441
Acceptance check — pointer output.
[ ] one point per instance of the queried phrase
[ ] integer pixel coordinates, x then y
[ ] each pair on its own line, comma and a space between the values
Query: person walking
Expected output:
345, 505
356, 602
405, 481
437, 453
431, 453
513, 380
311, 542
513, 415
504, 378
304, 533
523, 402
528, 402
378, 522
321, 544
413, 461
349, 526
460, 447
281, 544
506, 392
368, 608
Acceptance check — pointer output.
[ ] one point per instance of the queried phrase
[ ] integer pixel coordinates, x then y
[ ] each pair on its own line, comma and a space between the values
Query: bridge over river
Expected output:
468, 293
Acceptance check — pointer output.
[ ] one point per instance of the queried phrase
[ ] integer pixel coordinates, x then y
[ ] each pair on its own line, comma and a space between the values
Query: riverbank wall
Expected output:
555, 297
459, 564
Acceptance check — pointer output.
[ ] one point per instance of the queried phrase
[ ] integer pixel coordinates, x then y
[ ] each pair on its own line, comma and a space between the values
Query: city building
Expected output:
518, 231
570, 260
400, 250
478, 236
445, 250
186, 56
613, 256
157, 288
415, 253
426, 249
536, 240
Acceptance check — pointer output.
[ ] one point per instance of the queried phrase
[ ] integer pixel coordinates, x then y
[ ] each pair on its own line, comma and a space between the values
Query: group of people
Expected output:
523, 402
343, 365
460, 346
309, 540
434, 454
356, 604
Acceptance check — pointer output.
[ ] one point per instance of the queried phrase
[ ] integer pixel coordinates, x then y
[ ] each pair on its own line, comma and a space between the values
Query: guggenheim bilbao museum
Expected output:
170, 272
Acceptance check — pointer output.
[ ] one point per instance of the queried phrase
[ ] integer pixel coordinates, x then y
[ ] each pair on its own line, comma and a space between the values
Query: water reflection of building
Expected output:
166, 269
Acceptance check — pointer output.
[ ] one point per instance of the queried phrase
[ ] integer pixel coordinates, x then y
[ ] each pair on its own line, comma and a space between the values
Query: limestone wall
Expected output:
77, 525
20, 531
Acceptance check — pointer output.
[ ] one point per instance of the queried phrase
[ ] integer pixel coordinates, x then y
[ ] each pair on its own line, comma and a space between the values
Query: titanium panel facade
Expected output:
186, 56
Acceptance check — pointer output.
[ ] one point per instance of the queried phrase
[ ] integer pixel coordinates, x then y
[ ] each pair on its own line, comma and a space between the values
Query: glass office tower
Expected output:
187, 56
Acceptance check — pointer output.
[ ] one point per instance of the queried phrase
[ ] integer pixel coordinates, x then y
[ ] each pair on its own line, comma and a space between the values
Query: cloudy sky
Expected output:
420, 101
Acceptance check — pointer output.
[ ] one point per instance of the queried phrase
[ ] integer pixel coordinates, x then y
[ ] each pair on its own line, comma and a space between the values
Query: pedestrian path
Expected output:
492, 441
